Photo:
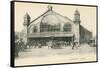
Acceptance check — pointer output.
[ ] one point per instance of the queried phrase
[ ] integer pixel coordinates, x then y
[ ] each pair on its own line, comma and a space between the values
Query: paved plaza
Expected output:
34, 56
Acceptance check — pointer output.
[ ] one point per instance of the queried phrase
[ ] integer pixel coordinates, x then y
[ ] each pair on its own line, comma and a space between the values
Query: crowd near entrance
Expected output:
41, 42
51, 42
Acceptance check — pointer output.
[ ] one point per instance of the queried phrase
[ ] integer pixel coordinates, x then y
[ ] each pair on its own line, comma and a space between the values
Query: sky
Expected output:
87, 14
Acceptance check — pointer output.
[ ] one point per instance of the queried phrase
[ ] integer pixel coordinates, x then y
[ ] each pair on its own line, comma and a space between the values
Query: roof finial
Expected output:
50, 7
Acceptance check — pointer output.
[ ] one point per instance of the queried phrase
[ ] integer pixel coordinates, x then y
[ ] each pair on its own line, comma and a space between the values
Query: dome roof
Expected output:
51, 19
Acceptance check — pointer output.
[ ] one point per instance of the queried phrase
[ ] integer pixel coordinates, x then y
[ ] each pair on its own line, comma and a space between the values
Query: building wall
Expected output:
85, 35
80, 33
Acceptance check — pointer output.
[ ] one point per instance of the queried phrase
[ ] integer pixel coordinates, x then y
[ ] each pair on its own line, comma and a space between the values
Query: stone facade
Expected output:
52, 24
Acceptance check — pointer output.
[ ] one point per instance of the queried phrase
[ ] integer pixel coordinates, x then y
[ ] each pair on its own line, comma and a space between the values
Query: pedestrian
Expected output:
17, 48
75, 44
50, 44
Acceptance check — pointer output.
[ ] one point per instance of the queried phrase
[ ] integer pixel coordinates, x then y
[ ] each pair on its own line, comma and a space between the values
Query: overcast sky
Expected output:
87, 14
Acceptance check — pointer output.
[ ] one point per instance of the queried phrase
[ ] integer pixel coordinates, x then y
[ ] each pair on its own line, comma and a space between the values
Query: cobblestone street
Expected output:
64, 55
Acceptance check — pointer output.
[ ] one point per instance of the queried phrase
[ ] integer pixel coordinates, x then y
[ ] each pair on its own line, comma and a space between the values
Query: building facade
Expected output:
53, 26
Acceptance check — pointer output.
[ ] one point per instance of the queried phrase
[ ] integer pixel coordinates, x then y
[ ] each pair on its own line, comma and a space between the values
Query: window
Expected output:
67, 27
35, 29
45, 27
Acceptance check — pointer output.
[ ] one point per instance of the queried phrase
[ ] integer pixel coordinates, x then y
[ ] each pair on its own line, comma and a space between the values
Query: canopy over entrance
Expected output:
50, 34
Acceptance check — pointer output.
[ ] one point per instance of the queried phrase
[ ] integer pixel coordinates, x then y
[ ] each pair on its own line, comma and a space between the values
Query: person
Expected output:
21, 44
75, 44
17, 49
49, 43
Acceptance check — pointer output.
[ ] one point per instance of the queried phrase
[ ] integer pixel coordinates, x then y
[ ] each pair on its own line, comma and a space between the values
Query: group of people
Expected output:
20, 46
51, 43
59, 44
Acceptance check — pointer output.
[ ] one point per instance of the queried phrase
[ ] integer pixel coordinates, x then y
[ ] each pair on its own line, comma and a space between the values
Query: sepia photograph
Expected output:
53, 33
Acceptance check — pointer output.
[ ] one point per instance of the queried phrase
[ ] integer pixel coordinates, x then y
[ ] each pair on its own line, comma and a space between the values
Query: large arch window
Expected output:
45, 27
67, 27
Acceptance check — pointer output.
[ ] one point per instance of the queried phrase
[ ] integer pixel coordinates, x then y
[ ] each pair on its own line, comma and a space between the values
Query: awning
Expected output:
50, 34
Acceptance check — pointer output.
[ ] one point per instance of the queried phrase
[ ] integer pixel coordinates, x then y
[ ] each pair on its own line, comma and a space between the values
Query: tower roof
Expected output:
27, 15
26, 19
77, 12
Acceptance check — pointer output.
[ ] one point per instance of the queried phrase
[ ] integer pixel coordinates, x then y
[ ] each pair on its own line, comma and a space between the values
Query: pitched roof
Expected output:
62, 19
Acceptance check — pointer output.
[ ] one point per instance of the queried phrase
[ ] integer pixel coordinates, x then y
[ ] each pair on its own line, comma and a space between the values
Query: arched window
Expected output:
67, 27
45, 27
35, 29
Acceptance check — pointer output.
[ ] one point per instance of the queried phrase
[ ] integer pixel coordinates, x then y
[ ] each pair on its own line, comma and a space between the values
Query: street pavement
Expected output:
37, 56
